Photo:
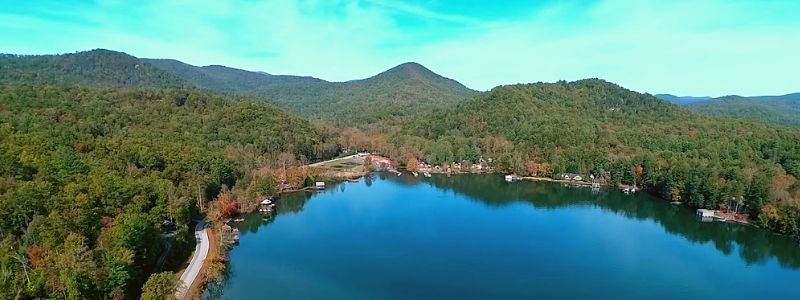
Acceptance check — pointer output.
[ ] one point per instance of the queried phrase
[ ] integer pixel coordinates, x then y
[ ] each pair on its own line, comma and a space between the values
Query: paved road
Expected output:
196, 263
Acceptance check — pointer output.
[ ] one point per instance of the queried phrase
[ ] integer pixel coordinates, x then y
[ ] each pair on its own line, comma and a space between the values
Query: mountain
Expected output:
99, 148
401, 91
619, 136
681, 100
95, 67
221, 78
782, 110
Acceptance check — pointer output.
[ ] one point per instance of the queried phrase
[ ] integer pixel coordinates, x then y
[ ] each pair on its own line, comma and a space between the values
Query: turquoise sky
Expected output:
697, 47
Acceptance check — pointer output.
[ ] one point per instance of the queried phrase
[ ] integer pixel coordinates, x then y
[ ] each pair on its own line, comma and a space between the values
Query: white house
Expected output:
706, 214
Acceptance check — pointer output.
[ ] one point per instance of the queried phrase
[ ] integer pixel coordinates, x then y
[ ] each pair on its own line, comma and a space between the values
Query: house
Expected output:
509, 178
571, 176
319, 185
266, 205
706, 214
380, 163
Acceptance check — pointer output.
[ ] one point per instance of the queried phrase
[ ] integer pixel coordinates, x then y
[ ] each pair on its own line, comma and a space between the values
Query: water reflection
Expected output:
753, 245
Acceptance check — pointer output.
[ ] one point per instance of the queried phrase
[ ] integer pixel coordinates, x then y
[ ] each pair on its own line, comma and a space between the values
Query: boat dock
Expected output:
710, 215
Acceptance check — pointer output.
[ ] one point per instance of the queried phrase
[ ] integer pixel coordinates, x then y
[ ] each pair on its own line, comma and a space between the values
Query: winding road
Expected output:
196, 263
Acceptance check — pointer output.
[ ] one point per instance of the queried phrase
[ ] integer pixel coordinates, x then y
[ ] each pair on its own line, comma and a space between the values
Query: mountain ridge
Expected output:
94, 67
781, 109
395, 93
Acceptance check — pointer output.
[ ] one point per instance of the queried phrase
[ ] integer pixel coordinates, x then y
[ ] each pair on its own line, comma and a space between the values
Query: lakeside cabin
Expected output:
509, 178
706, 214
266, 205
571, 176
319, 185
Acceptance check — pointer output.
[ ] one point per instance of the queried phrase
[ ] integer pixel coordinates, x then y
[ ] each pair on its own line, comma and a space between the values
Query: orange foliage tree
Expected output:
224, 206
412, 164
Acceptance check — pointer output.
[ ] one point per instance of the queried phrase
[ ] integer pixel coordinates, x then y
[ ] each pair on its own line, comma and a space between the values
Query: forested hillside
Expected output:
782, 110
399, 92
681, 100
87, 175
97, 148
221, 78
595, 127
96, 67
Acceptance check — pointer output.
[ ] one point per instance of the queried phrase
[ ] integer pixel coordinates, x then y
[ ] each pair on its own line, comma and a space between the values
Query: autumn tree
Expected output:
224, 207
160, 286
412, 164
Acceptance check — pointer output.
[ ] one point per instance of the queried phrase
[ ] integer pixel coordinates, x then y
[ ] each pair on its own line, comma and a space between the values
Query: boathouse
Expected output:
571, 176
705, 213
319, 185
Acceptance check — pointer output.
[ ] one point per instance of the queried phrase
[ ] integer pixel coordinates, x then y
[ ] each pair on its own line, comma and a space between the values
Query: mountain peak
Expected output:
410, 70
411, 66
417, 74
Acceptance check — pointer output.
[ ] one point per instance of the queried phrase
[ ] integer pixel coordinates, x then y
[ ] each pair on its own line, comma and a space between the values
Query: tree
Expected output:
757, 193
224, 207
118, 265
638, 171
412, 164
264, 185
309, 181
75, 268
160, 286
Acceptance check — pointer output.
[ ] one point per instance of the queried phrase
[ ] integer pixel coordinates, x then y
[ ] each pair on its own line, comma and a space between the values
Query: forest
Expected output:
98, 149
597, 128
399, 92
87, 175
781, 110
402, 91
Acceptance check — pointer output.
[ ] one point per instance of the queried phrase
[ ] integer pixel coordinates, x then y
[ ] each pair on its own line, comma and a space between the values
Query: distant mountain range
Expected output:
400, 91
681, 100
782, 110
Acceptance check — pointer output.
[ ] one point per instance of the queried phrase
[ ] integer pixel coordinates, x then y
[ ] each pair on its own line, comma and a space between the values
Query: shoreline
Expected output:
545, 179
354, 177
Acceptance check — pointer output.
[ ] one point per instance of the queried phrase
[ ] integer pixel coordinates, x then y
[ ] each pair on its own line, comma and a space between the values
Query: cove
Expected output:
478, 237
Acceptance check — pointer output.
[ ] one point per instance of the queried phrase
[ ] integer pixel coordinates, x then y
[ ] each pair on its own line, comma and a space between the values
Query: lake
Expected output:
478, 237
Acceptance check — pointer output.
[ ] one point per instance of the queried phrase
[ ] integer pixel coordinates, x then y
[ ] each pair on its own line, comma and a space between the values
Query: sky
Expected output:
698, 48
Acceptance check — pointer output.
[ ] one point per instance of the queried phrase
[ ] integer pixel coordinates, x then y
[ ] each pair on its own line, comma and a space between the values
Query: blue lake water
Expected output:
478, 237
